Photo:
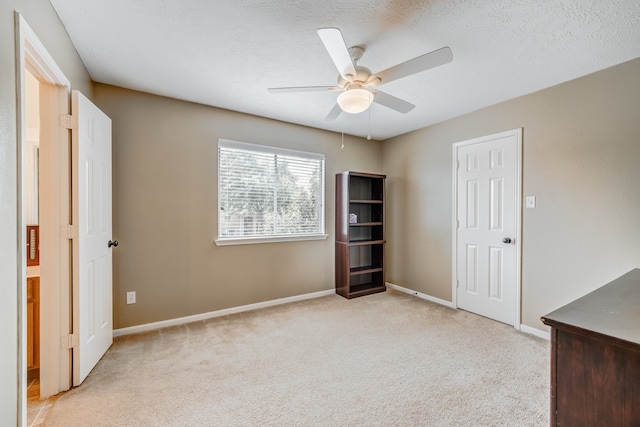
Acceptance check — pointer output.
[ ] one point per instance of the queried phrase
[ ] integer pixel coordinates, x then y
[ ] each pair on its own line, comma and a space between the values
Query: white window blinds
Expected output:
268, 192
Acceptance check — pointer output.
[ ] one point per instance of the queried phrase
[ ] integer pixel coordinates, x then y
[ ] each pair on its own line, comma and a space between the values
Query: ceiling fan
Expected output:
357, 83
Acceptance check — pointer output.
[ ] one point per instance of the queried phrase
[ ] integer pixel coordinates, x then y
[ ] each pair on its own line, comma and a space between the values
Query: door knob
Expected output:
114, 243
505, 240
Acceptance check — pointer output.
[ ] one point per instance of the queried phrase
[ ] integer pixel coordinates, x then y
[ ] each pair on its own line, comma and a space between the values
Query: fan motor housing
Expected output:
361, 77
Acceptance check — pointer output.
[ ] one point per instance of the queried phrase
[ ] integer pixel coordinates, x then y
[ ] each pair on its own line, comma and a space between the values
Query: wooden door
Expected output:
92, 284
487, 209
33, 322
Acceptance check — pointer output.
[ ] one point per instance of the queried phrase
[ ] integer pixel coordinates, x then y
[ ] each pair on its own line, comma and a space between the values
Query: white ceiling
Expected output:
227, 53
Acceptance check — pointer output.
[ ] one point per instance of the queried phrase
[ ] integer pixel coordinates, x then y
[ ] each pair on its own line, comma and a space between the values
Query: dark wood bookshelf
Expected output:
359, 234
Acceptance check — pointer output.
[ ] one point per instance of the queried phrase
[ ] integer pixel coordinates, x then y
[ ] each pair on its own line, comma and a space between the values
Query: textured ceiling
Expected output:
227, 53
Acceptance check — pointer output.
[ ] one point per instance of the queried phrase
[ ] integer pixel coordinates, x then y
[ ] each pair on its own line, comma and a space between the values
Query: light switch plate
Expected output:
530, 201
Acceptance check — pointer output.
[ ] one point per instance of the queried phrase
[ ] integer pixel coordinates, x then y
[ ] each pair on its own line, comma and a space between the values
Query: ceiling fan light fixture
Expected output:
354, 101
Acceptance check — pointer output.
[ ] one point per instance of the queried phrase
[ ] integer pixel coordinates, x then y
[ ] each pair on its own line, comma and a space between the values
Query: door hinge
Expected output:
457, 283
69, 231
67, 121
457, 223
69, 341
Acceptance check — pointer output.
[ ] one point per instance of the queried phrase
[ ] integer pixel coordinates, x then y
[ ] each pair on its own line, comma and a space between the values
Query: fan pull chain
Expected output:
369, 133
342, 148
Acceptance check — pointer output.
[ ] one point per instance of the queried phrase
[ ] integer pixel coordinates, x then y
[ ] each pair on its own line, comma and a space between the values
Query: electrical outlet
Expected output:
131, 297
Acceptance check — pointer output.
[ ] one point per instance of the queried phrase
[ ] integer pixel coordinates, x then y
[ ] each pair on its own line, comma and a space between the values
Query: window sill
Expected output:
257, 240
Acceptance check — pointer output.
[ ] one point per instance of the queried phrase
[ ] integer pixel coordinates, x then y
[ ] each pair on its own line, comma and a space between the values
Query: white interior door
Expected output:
487, 245
92, 284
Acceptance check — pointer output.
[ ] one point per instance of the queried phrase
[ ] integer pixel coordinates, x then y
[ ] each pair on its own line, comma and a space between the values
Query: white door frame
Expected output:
517, 133
55, 319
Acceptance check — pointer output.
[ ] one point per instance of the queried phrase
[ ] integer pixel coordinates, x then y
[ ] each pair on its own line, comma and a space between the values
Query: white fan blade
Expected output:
334, 43
392, 102
334, 113
416, 65
302, 89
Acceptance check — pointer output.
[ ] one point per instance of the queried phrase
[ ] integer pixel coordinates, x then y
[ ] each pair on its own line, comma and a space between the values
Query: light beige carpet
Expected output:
388, 359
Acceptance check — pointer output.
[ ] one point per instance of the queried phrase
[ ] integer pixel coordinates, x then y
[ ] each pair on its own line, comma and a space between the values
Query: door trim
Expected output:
517, 133
55, 307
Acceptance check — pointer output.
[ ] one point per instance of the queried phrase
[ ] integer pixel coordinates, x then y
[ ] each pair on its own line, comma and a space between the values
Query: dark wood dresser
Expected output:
595, 357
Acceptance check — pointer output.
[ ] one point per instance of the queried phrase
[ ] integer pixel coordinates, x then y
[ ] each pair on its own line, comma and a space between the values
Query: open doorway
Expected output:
32, 213
69, 234
44, 204
40, 279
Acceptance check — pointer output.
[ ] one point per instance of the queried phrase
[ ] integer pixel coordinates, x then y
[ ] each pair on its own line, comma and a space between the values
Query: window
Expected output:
268, 194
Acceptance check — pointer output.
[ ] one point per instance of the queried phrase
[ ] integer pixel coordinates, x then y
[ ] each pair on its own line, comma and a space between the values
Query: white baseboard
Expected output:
523, 328
218, 313
533, 331
420, 295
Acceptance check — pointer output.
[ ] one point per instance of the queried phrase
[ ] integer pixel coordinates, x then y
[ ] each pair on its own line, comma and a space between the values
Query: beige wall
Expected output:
581, 151
165, 209
44, 21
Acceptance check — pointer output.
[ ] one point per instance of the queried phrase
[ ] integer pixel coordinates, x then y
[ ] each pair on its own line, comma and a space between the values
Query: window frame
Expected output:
248, 240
